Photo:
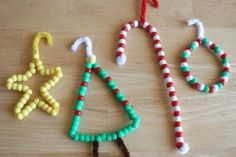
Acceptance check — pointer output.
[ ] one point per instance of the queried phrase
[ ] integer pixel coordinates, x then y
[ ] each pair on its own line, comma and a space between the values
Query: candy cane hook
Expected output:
36, 41
199, 25
89, 48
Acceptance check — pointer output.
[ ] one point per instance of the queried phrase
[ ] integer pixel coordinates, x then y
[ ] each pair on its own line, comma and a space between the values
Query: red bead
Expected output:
223, 56
159, 58
159, 49
225, 69
173, 93
176, 113
163, 66
179, 134
124, 103
196, 85
211, 90
148, 28
156, 41
80, 97
169, 84
199, 41
78, 112
131, 24
186, 74
184, 60
84, 84
118, 53
174, 103
179, 144
97, 70
88, 70
121, 45
153, 34
115, 91
177, 124
213, 46
121, 36
222, 81
107, 79
124, 29
165, 75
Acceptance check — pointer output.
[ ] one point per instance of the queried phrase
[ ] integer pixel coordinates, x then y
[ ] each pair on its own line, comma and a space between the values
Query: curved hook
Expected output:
36, 41
200, 28
89, 48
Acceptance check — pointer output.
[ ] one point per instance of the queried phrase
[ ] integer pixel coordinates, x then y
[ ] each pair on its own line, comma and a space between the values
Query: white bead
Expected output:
153, 29
171, 89
177, 119
128, 26
173, 98
176, 108
183, 64
184, 149
145, 24
123, 33
135, 23
201, 87
189, 78
166, 70
123, 41
161, 53
156, 37
168, 79
157, 46
162, 62
179, 139
121, 49
121, 59
178, 129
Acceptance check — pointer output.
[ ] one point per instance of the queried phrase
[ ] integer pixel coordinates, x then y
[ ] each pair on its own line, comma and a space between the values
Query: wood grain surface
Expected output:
209, 120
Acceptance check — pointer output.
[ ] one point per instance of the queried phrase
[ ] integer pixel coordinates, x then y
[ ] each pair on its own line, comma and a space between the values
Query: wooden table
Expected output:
209, 120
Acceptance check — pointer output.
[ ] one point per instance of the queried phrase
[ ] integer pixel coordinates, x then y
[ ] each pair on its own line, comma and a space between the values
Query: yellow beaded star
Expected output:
49, 105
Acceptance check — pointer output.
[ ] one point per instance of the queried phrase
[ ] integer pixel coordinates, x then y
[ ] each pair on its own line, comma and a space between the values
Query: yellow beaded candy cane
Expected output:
49, 105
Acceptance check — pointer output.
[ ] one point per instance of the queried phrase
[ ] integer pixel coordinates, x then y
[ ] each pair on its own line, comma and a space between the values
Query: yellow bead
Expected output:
55, 79
14, 77
28, 108
19, 116
47, 86
51, 82
43, 89
17, 110
40, 104
51, 101
10, 80
38, 62
54, 113
25, 113
20, 105
25, 88
37, 100
28, 74
44, 106
33, 71
19, 87
55, 105
33, 105
47, 72
24, 78
48, 109
28, 91
19, 77
14, 86
31, 65
9, 86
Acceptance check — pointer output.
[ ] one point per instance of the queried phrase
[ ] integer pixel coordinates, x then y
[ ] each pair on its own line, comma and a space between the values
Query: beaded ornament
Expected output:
92, 65
202, 40
24, 106
182, 147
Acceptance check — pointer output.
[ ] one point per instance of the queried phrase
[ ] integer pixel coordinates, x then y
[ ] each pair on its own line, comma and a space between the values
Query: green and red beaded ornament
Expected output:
216, 50
116, 136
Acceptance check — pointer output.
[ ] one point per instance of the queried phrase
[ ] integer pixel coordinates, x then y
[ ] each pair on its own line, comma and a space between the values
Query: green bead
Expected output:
137, 120
225, 74
118, 95
217, 49
120, 134
86, 138
81, 137
122, 98
82, 91
76, 118
74, 127
193, 81
86, 77
104, 136
98, 138
185, 69
194, 45
185, 54
220, 85
92, 138
128, 107
205, 41
206, 89
72, 133
109, 137
88, 65
125, 131
103, 74
95, 65
114, 136
76, 137
224, 61
130, 128
111, 84
79, 105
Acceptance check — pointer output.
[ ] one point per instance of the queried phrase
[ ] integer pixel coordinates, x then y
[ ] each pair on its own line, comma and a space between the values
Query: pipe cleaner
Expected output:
202, 40
24, 106
92, 65
182, 147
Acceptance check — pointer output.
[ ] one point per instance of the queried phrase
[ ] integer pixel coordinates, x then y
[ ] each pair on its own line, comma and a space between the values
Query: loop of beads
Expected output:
219, 53
105, 136
182, 147
50, 105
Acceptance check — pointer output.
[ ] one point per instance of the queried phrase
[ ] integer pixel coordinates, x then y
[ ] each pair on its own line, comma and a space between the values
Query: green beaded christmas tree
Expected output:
116, 136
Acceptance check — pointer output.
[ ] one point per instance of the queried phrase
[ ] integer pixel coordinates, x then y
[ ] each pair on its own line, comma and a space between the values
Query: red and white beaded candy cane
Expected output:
182, 147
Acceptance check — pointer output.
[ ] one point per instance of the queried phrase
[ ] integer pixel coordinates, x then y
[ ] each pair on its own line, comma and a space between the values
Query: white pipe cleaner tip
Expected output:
193, 21
120, 60
184, 149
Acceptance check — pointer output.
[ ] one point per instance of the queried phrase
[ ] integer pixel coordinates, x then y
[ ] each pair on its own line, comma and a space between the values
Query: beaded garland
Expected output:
50, 105
201, 40
116, 136
182, 147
